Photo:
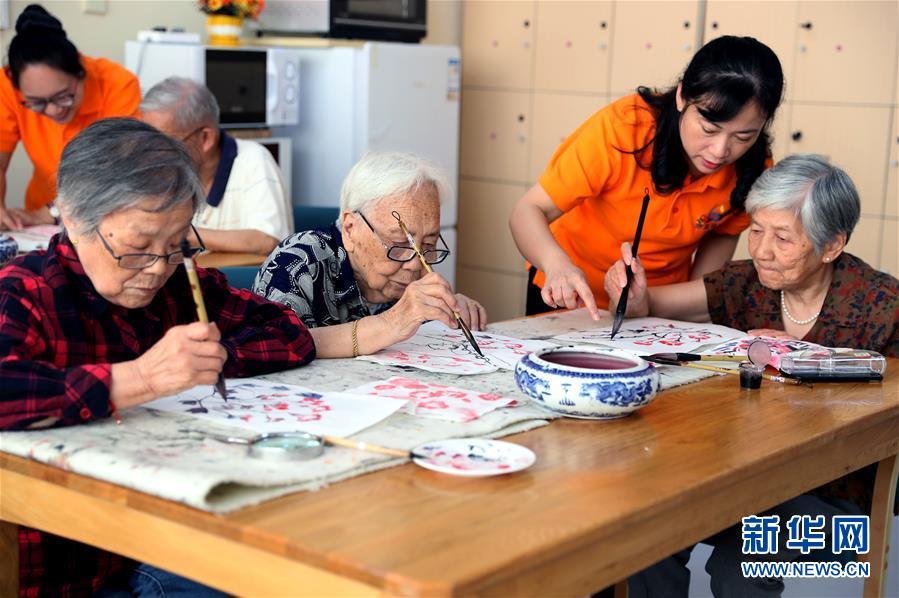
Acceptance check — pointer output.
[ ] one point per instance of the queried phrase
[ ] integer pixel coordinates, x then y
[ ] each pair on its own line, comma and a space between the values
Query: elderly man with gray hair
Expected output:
800, 284
246, 208
358, 284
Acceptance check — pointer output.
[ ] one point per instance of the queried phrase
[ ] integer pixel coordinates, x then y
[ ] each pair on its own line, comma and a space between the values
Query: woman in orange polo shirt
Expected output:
696, 147
48, 94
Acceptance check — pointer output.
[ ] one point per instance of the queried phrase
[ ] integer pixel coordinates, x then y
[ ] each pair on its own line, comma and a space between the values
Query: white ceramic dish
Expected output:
474, 457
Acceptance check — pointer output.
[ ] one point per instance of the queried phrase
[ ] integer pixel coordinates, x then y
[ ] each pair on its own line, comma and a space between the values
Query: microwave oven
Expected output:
384, 20
255, 87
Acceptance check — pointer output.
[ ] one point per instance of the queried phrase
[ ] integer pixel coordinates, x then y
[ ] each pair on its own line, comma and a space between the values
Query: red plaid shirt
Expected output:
58, 338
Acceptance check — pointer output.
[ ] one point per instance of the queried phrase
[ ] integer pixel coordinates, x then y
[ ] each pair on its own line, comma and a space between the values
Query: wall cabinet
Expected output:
652, 42
853, 137
498, 48
495, 132
556, 116
573, 46
891, 197
502, 294
889, 257
485, 210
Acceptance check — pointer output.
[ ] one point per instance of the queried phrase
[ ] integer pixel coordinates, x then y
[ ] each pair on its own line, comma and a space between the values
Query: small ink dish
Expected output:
751, 376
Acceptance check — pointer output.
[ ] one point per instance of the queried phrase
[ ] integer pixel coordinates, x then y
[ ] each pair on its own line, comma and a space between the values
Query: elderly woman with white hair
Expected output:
104, 320
358, 284
799, 284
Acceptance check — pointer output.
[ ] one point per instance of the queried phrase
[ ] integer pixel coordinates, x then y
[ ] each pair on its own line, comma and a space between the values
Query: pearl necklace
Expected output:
783, 305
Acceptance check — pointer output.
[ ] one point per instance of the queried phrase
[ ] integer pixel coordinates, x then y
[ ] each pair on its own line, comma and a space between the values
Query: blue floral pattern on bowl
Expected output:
587, 393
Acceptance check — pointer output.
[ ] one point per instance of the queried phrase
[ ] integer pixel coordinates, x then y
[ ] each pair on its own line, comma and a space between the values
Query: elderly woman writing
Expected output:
103, 319
358, 285
799, 284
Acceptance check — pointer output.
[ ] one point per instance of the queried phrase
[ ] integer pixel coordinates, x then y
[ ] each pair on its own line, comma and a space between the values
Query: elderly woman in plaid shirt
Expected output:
103, 320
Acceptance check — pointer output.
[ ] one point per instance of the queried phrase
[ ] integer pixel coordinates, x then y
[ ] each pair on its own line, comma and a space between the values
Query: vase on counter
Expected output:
224, 30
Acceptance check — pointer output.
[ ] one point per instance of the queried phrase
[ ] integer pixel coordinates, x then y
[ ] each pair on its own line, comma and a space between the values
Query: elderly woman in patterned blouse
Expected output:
799, 284
358, 285
104, 320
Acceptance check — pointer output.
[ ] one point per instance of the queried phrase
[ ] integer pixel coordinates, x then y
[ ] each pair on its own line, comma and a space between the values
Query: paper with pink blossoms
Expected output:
265, 407
428, 399
436, 348
778, 347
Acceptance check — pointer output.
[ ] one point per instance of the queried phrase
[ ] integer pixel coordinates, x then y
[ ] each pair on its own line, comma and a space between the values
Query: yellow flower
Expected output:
214, 5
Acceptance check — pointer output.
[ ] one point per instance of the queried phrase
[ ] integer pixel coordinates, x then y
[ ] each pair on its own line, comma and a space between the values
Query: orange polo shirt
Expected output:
109, 90
600, 191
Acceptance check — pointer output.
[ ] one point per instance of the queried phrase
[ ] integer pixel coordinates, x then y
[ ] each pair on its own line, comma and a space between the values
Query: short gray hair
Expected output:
821, 194
190, 104
118, 162
378, 175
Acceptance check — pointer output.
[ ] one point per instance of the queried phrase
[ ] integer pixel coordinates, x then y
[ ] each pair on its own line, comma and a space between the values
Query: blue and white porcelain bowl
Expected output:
587, 381
8, 249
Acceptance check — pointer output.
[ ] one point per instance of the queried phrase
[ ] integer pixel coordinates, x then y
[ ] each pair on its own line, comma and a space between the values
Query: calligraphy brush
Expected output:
622, 301
711, 368
201, 306
371, 448
427, 267
698, 357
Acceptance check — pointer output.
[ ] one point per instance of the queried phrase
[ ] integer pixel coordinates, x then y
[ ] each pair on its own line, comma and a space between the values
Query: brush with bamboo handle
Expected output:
712, 368
428, 268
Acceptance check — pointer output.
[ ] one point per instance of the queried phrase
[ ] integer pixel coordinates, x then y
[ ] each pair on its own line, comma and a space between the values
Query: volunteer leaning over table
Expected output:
49, 92
697, 147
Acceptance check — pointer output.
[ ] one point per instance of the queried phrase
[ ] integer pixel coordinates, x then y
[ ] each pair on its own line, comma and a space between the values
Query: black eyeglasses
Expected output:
61, 100
404, 253
139, 261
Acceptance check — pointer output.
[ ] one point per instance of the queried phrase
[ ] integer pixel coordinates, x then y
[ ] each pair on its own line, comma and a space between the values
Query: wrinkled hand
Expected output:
473, 313
566, 286
185, 357
17, 218
428, 298
771, 333
616, 279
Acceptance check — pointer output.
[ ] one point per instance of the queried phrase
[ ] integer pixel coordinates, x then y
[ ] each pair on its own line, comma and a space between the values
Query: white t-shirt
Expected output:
254, 196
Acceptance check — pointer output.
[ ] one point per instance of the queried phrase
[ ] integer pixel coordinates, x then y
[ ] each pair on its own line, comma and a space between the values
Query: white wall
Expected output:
104, 35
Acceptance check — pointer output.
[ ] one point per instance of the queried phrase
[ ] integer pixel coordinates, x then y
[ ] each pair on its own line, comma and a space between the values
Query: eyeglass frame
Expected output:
156, 256
64, 99
389, 248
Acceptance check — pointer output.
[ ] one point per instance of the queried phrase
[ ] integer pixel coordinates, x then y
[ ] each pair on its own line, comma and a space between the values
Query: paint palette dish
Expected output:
587, 382
474, 457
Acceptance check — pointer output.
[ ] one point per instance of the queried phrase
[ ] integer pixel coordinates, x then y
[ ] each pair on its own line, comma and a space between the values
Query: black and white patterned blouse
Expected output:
310, 272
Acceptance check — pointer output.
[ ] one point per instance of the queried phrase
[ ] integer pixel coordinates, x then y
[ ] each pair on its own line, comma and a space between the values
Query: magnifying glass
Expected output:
275, 446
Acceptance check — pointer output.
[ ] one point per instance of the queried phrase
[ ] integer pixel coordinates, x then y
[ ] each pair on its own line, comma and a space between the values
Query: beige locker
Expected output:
891, 199
652, 42
853, 137
779, 130
484, 210
556, 116
572, 52
773, 23
498, 43
742, 251
866, 240
495, 134
503, 295
846, 51
889, 257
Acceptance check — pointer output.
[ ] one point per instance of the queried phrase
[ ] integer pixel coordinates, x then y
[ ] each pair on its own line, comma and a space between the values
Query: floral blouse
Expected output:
861, 311
310, 272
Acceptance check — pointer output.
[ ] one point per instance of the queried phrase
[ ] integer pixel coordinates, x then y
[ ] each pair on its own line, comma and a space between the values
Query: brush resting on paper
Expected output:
427, 267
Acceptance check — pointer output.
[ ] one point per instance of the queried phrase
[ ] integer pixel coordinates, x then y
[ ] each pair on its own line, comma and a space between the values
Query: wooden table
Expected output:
604, 500
221, 259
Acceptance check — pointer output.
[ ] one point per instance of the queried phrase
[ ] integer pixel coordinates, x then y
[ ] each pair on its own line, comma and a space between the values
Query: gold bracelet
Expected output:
355, 338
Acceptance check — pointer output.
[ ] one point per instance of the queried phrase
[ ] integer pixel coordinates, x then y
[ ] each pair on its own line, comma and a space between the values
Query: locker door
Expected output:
485, 211
652, 42
556, 116
498, 43
572, 51
495, 134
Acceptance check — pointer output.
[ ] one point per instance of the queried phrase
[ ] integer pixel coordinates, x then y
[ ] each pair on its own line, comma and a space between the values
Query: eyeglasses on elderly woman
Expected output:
404, 253
139, 261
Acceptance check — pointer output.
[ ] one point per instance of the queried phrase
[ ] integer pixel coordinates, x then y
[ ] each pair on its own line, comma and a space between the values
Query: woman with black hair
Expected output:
49, 92
696, 148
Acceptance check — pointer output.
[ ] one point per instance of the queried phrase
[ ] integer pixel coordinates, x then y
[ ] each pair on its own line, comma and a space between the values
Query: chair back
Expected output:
240, 277
309, 217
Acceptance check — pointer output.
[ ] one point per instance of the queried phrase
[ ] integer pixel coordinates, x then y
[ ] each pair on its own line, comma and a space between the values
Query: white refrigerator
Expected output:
377, 96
